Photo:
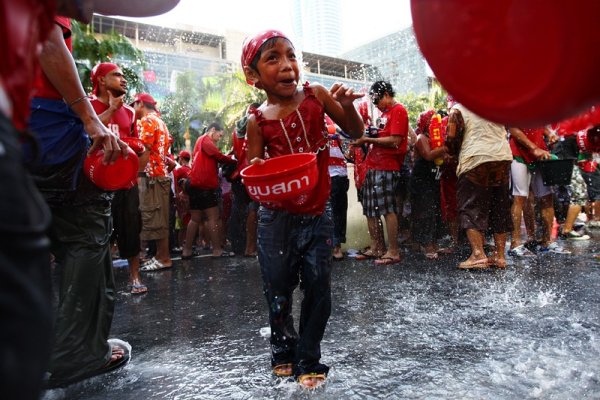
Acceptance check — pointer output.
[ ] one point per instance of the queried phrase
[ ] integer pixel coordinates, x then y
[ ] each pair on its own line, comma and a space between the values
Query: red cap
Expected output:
99, 71
185, 154
144, 97
253, 44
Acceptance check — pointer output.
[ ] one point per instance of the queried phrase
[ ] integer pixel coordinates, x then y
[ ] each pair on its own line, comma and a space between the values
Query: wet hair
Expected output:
214, 125
380, 88
269, 44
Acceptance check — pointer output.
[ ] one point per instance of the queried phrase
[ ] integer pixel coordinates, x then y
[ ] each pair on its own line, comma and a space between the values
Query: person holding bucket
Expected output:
295, 236
528, 146
109, 88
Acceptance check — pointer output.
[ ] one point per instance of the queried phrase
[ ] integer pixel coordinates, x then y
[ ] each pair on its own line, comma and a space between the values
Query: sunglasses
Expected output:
375, 99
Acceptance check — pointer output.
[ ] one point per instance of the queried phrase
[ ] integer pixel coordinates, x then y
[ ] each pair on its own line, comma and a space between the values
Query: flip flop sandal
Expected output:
283, 370
477, 264
139, 288
387, 261
109, 366
318, 379
155, 265
225, 254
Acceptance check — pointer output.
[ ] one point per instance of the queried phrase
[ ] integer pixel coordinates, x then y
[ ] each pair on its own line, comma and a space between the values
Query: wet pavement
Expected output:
414, 330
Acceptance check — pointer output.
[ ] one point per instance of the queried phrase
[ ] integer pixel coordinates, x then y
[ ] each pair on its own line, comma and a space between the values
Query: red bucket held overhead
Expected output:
122, 174
521, 63
281, 178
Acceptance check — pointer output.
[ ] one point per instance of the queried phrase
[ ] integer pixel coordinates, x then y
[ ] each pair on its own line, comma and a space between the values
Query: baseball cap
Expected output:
144, 97
185, 154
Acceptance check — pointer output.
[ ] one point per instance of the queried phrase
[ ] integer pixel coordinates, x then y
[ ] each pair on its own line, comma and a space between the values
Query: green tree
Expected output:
89, 50
181, 109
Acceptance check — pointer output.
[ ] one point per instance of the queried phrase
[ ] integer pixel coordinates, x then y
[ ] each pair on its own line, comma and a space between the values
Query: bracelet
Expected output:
71, 104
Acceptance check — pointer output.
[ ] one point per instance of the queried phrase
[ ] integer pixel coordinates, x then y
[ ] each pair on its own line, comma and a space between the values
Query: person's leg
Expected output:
476, 240
314, 252
547, 211
80, 242
339, 206
572, 214
377, 246
521, 180
474, 206
191, 232
25, 305
214, 227
529, 217
516, 212
279, 270
251, 226
391, 227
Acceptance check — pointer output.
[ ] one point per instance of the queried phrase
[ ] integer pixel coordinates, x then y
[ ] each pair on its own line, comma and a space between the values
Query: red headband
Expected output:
253, 44
101, 70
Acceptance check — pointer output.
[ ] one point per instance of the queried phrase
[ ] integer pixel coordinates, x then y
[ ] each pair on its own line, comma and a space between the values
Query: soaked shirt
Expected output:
122, 120
304, 132
393, 122
155, 135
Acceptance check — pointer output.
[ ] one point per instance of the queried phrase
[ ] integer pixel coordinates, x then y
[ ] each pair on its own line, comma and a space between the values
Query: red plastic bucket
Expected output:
136, 144
281, 178
122, 174
521, 63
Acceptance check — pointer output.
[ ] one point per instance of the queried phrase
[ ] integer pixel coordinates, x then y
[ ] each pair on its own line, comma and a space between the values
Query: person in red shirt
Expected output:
26, 27
244, 209
384, 160
204, 191
182, 201
295, 237
109, 88
528, 146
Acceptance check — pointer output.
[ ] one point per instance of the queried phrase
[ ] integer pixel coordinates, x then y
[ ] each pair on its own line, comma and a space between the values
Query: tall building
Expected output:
397, 59
317, 26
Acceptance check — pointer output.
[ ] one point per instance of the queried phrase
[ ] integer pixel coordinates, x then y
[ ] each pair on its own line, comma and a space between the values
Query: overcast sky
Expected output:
362, 21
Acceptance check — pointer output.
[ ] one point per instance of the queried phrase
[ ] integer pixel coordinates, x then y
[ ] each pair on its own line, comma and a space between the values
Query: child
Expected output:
295, 237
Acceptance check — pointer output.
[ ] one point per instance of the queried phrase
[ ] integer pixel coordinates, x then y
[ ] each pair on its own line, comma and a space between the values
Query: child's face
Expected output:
278, 69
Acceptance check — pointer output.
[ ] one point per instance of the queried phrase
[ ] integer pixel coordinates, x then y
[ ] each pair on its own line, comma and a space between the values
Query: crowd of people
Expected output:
456, 175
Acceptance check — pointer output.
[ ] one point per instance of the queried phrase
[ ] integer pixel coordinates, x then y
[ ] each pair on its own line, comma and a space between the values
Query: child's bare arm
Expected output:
256, 144
338, 104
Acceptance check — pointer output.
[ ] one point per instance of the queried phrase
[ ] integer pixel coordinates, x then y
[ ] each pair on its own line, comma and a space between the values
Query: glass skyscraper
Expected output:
317, 26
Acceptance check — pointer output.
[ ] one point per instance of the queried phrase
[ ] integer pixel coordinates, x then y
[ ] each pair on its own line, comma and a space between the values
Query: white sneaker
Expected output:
576, 236
520, 251
554, 248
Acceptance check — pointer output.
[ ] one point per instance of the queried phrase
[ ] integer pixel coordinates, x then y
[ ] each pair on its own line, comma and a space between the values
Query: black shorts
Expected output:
592, 183
202, 199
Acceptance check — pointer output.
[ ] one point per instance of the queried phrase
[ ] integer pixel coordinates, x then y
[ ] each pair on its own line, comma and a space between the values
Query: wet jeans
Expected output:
80, 241
292, 250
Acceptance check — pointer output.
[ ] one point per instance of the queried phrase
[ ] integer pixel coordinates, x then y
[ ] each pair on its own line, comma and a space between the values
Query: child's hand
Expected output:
257, 160
344, 95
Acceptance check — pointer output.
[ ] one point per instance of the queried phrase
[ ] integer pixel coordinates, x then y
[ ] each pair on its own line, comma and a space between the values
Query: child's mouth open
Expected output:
288, 82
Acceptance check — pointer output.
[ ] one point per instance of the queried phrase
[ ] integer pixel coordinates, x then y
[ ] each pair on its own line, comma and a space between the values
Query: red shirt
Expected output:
277, 144
536, 135
122, 120
205, 172
43, 87
394, 122
240, 150
181, 172
24, 25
